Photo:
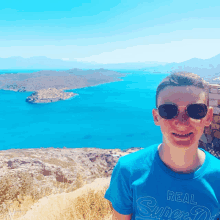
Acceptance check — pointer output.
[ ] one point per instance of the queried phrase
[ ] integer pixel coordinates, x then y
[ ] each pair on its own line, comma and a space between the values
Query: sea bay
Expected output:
111, 115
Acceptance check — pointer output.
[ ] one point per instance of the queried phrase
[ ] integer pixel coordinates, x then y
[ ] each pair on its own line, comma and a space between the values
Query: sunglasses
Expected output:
195, 111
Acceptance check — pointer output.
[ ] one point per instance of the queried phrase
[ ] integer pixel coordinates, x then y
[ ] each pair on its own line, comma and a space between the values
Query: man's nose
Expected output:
182, 117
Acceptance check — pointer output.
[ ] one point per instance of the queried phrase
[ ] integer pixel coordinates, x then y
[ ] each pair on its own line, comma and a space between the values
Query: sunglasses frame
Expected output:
201, 104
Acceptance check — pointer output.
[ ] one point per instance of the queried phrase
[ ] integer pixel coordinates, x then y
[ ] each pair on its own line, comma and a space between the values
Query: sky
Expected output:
112, 31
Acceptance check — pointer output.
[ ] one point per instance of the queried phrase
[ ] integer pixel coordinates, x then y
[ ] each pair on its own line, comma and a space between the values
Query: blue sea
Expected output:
108, 116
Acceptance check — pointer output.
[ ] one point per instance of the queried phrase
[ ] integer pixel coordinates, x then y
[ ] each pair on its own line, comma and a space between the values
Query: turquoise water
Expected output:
112, 115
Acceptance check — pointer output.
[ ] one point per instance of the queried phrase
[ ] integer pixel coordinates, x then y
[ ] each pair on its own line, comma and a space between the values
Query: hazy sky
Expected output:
110, 31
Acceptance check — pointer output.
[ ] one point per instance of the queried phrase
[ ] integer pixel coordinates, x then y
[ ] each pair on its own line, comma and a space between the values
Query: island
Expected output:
49, 95
49, 85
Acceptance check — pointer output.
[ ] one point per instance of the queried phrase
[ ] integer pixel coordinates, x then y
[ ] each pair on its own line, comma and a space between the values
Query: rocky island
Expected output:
49, 85
46, 95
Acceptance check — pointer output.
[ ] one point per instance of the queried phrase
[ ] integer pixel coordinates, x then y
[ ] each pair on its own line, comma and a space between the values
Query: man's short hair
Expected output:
184, 79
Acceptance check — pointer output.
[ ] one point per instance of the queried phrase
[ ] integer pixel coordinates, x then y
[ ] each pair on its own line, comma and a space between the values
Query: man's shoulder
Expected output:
212, 170
213, 161
212, 167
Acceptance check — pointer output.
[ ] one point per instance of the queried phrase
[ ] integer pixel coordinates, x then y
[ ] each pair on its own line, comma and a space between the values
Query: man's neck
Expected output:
181, 160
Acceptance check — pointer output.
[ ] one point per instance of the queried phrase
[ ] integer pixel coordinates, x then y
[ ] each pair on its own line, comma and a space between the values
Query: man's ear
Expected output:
209, 117
156, 116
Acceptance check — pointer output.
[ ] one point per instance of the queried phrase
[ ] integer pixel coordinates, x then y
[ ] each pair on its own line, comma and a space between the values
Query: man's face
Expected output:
182, 124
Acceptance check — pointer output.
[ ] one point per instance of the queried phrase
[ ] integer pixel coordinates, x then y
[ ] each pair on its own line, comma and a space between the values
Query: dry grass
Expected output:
92, 206
18, 193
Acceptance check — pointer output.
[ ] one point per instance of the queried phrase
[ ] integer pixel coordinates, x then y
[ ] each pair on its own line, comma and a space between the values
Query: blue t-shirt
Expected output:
143, 185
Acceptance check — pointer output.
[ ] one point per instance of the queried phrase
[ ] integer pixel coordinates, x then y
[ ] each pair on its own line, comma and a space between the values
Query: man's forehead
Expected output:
181, 95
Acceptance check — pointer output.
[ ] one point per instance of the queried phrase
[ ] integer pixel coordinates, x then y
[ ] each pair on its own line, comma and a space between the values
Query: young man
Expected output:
175, 179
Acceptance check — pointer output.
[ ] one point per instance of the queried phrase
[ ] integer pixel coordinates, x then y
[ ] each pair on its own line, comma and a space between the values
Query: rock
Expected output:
61, 165
209, 138
212, 145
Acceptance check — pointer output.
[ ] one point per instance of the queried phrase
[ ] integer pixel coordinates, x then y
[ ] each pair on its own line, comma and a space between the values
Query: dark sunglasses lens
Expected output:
197, 111
168, 111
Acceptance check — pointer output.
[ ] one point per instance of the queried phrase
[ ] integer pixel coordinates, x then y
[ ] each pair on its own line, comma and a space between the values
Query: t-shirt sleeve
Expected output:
119, 192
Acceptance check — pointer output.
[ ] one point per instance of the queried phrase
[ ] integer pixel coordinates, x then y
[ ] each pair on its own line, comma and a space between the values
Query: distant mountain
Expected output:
134, 66
42, 62
209, 69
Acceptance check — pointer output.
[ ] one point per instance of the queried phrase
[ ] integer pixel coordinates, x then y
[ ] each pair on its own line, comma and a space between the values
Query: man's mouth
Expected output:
182, 136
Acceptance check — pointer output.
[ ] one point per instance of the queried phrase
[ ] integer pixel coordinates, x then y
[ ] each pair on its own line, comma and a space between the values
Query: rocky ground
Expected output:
64, 165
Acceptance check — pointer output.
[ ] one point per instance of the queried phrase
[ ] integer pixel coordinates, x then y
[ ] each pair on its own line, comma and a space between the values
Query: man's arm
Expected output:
118, 216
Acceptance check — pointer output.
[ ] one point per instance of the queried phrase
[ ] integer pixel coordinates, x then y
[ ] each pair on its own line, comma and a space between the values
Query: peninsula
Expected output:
49, 85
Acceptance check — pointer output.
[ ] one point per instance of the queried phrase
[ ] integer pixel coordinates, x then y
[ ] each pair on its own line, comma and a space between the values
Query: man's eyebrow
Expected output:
168, 102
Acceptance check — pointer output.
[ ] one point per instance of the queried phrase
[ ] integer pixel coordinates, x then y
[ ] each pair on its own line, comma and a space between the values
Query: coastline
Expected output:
50, 86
